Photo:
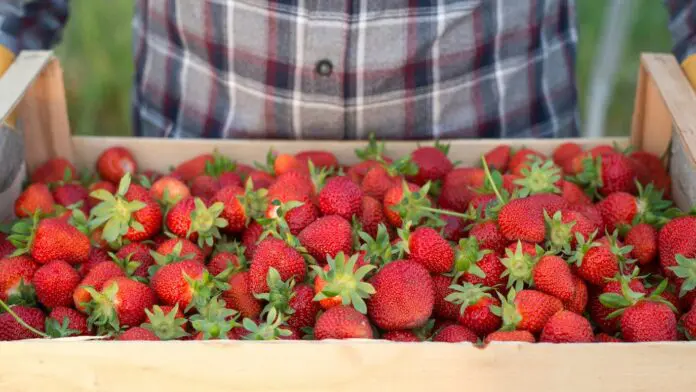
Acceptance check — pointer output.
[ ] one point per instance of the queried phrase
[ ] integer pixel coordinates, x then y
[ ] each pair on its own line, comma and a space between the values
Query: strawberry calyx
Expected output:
253, 202
493, 183
101, 309
22, 234
319, 177
519, 266
415, 206
279, 293
164, 259
271, 329
219, 165
541, 176
558, 234
373, 150
466, 256
344, 280
55, 329
22, 294
582, 247
204, 288
115, 212
127, 265
206, 222
467, 294
165, 326
214, 320
267, 167
590, 178
403, 166
378, 250
507, 311
652, 208
628, 298
685, 269
621, 252
276, 225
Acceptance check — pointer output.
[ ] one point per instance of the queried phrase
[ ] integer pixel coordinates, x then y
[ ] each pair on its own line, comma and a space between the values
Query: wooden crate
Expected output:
664, 119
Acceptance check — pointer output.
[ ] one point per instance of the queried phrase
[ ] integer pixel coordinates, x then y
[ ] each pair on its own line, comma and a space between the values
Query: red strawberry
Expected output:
492, 268
377, 182
96, 277
371, 215
573, 194
320, 159
340, 196
137, 252
72, 193
578, 303
675, 238
6, 247
510, 336
475, 308
565, 152
489, 236
592, 213
205, 187
342, 322
285, 163
404, 296
304, 308
455, 334
610, 173
596, 264
240, 297
168, 190
455, 228
442, 308
76, 321
393, 197
121, 302
114, 163
498, 158
426, 247
261, 180
618, 209
55, 283
523, 219
250, 238
194, 167
599, 312
51, 239
53, 170
190, 218
552, 275
10, 329
604, 338
657, 173
578, 162
688, 323
179, 282
432, 163
522, 158
327, 236
223, 260
643, 238
401, 336
456, 188
137, 334
292, 186
528, 309
240, 206
564, 227
180, 249
648, 321
567, 327
272, 252
36, 198
14, 272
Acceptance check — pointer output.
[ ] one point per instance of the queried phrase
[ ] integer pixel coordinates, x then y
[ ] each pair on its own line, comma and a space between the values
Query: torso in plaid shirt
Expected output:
335, 69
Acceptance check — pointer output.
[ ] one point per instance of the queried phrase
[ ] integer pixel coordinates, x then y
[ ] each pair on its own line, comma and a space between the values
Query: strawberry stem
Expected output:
20, 321
489, 177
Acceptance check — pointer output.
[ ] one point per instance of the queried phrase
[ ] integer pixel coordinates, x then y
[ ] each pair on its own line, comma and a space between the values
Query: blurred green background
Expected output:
96, 53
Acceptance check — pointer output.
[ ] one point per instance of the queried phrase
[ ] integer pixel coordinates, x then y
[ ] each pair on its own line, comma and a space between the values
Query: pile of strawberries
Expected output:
580, 246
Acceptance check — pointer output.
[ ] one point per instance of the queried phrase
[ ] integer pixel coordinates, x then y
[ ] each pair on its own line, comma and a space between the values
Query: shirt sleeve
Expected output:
32, 24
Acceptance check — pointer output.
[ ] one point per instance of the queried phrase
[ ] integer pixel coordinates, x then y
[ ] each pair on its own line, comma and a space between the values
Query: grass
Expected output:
97, 59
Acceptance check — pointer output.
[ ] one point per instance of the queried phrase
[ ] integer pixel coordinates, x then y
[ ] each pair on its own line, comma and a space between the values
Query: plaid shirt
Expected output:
335, 69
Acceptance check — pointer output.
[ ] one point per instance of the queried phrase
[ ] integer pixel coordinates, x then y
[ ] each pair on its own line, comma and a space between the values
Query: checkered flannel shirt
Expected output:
335, 69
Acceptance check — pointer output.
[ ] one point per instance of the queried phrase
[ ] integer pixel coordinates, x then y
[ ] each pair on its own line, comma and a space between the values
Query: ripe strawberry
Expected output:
240, 206
16, 273
179, 282
76, 321
442, 308
168, 190
591, 212
522, 158
599, 312
392, 198
604, 338
455, 334
475, 308
105, 185
432, 163
609, 173
377, 182
96, 277
457, 188
401, 336
50, 239
36, 198
510, 336
70, 194
304, 308
250, 238
285, 163
166, 322
190, 218
564, 153
578, 303
340, 196
657, 173
55, 283
222, 260
371, 215
618, 208
130, 214
643, 238
675, 238
649, 321
426, 247
326, 237
53, 170
404, 296
10, 329
342, 322
114, 163
6, 247
121, 302
272, 252
523, 219
135, 252
297, 184
493, 270
455, 228
567, 327
319, 158
176, 249
137, 334
552, 275
489, 236
573, 194
192, 168
563, 229
688, 323
260, 179
498, 158
340, 282
528, 310
240, 297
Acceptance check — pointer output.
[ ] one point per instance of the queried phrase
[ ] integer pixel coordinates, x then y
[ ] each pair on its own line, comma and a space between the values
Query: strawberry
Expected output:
519, 266
599, 312
567, 327
6, 247
250, 238
285, 163
492, 269
96, 277
55, 283
273, 252
617, 209
16, 274
475, 308
36, 198
371, 215
224, 259
649, 321
114, 162
591, 212
573, 194
53, 170
404, 296
304, 308
455, 228
457, 188
168, 190
297, 184
135, 258
240, 206
607, 174
643, 238
205, 187
498, 158
377, 182
192, 168
166, 322
675, 238
523, 219
455, 334
121, 302
657, 173
510, 336
342, 322
578, 162
50, 239
432, 163
190, 218
489, 236
340, 282
688, 323
319, 158
177, 249
401, 336
522, 158
552, 275
563, 229
564, 153
578, 303
239, 296
538, 176
137, 334
76, 321
528, 310
295, 302
70, 194
327, 237
442, 308
426, 247
393, 197
604, 338
130, 214
180, 283
11, 329
342, 197
105, 185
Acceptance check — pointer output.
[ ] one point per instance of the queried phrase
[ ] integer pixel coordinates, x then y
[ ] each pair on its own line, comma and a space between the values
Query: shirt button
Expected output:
324, 67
